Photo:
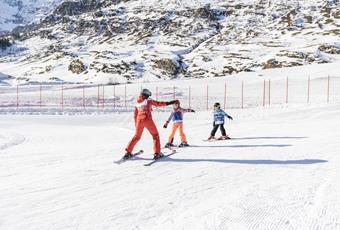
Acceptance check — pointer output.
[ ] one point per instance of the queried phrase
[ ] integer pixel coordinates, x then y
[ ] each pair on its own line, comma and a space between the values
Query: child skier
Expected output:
219, 115
177, 118
143, 119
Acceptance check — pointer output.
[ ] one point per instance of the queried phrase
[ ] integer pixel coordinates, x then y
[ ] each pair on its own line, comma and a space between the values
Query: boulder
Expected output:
168, 66
77, 66
330, 49
272, 63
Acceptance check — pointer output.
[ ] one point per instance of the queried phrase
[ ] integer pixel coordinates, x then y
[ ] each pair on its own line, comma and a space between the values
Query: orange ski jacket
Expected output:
143, 108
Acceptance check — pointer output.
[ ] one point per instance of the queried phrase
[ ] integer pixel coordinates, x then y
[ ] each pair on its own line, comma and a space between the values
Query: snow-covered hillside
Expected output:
57, 172
15, 13
106, 41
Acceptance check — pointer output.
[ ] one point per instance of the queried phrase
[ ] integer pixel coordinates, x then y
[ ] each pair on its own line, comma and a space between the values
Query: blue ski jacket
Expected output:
219, 115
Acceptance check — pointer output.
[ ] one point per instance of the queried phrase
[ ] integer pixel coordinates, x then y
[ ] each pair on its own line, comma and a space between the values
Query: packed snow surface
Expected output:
280, 171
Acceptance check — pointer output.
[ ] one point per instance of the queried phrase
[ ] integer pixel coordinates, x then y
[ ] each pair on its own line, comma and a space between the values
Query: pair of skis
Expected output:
217, 139
173, 151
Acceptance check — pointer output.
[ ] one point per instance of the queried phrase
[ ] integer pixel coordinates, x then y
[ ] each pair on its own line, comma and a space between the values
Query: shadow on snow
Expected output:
256, 162
257, 138
240, 146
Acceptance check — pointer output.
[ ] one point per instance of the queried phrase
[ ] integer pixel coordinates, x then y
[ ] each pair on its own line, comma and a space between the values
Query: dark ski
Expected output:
133, 156
171, 148
173, 151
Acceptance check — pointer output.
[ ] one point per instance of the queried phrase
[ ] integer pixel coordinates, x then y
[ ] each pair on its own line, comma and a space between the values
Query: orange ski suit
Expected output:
143, 119
176, 126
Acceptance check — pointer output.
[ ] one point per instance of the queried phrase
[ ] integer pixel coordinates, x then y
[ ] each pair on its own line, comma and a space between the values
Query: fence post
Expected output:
308, 89
103, 96
328, 86
264, 93
40, 96
287, 90
84, 97
114, 97
242, 95
225, 96
98, 96
207, 97
62, 95
17, 96
125, 98
189, 97
269, 88
156, 93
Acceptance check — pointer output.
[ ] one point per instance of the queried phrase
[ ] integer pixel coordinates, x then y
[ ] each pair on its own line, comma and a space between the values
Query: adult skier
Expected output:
143, 119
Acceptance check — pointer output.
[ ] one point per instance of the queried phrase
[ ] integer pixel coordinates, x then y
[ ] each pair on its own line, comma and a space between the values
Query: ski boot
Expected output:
184, 144
127, 155
211, 138
224, 137
169, 145
157, 156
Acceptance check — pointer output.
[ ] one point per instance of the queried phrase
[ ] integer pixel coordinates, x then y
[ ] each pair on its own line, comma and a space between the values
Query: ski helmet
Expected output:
146, 93
217, 105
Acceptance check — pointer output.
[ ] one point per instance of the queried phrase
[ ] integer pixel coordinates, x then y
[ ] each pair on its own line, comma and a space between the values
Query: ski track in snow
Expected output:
9, 140
271, 176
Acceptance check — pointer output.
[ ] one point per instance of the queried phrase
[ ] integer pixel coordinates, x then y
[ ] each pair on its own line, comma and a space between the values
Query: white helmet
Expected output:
146, 93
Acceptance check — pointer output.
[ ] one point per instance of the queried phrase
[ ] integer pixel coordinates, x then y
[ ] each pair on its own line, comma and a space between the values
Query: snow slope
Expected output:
279, 172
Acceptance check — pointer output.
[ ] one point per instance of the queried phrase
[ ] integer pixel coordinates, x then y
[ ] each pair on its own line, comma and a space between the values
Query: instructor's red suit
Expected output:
143, 119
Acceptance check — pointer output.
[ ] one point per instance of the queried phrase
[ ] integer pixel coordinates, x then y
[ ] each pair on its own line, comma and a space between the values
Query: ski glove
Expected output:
230, 117
166, 125
171, 102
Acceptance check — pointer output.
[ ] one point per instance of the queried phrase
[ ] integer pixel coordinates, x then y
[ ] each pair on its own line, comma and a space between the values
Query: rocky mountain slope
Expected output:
132, 40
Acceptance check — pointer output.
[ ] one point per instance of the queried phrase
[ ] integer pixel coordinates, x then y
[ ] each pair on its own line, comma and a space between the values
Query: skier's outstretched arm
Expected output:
227, 115
162, 103
188, 110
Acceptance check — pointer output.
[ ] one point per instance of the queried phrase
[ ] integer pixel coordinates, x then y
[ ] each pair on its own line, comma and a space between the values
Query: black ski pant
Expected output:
215, 127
